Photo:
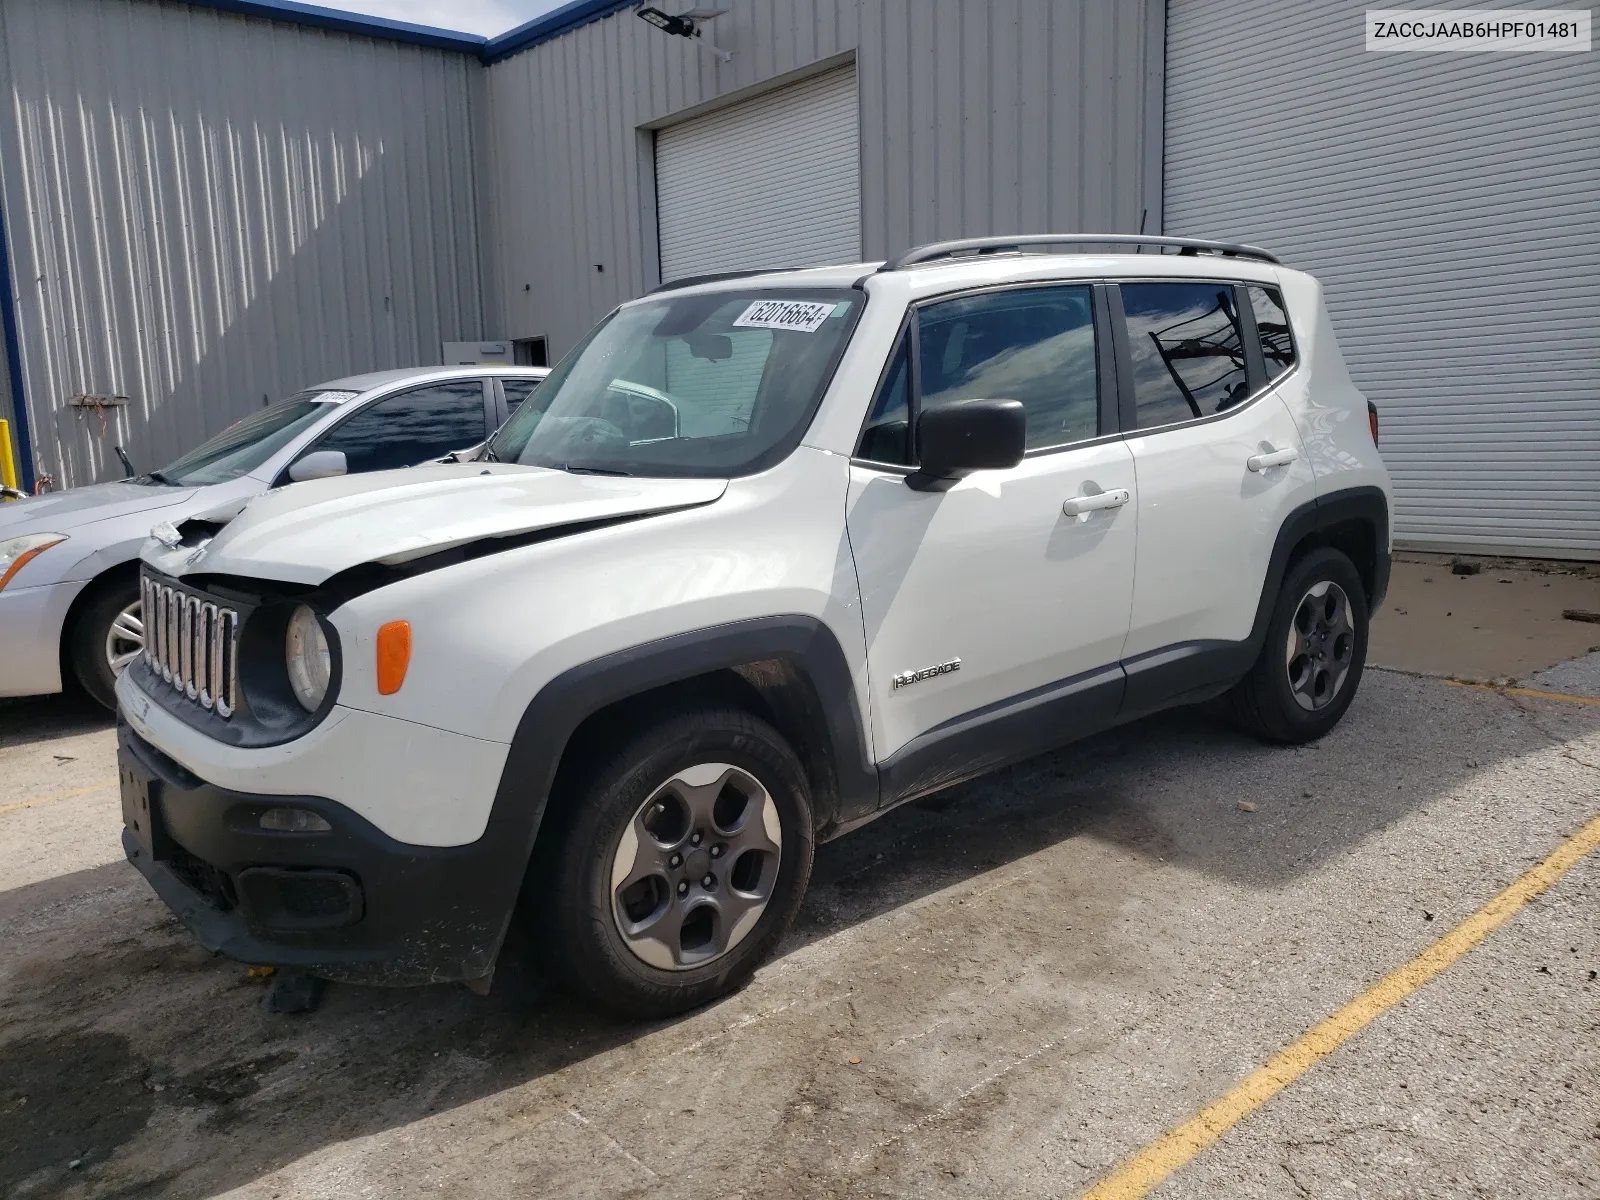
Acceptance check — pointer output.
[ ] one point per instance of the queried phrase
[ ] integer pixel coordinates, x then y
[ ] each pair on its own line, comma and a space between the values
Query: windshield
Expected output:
709, 385
246, 444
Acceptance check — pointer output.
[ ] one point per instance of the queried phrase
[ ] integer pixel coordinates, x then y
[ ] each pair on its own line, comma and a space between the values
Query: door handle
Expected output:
1276, 458
1079, 505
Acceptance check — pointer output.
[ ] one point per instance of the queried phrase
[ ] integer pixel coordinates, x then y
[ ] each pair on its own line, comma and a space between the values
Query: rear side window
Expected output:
516, 391
1272, 323
1187, 350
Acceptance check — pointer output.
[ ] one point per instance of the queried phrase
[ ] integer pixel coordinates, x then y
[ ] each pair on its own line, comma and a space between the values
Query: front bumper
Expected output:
350, 904
31, 621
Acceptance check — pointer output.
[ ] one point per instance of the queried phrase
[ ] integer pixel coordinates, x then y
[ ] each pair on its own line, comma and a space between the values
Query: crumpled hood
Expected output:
62, 512
308, 532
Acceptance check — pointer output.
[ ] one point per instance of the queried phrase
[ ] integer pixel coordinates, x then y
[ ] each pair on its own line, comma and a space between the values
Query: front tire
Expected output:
1315, 650
680, 865
107, 635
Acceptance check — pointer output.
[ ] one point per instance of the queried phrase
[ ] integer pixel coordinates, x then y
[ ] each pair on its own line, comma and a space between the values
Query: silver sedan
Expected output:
69, 583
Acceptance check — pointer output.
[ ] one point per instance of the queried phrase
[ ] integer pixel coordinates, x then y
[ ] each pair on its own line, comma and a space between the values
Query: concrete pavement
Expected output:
1034, 974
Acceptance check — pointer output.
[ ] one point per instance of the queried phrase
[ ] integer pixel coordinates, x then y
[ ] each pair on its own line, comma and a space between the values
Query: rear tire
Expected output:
1311, 662
678, 867
106, 636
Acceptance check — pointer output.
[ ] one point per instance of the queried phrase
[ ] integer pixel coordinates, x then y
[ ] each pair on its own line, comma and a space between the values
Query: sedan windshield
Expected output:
714, 384
246, 444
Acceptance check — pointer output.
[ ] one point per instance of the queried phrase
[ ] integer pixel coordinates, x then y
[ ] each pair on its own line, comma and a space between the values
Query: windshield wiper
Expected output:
568, 467
158, 477
487, 454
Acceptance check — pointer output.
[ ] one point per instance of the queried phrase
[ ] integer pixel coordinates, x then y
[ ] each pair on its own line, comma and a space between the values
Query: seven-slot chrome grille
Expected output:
193, 644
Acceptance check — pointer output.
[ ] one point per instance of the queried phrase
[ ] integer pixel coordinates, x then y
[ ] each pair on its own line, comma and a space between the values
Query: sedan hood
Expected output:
308, 532
62, 512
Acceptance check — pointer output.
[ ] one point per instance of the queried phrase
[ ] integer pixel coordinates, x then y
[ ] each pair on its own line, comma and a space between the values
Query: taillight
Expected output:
1372, 420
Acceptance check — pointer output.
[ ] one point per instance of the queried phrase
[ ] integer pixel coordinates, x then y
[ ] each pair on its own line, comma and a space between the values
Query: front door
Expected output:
987, 603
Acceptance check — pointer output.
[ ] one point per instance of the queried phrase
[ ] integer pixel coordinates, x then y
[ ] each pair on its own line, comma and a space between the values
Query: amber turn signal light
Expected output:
394, 656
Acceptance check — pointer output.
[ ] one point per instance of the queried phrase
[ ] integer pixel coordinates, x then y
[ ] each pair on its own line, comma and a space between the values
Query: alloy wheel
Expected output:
696, 866
125, 637
1321, 646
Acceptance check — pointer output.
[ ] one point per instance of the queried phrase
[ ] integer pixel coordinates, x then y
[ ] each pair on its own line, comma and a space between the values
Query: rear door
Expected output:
1219, 466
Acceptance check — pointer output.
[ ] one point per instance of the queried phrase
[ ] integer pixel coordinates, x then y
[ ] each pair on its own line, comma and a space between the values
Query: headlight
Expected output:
15, 552
310, 664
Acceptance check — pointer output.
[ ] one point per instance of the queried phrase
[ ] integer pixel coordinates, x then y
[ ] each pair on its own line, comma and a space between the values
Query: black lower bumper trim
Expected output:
350, 903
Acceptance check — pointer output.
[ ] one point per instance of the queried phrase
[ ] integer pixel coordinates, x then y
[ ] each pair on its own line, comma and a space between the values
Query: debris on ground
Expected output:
1246, 806
291, 993
1581, 614
1461, 566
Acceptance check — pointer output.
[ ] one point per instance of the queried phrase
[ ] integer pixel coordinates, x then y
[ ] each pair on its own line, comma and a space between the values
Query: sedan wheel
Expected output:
125, 637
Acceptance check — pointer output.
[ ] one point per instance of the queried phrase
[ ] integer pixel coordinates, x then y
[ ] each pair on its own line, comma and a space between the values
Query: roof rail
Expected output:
990, 245
716, 277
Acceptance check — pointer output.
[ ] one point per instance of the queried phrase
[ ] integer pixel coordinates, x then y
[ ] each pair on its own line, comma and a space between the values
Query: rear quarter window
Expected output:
1272, 325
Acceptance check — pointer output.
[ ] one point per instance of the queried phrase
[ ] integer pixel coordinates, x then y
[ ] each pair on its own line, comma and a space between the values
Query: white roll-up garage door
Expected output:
772, 182
1448, 202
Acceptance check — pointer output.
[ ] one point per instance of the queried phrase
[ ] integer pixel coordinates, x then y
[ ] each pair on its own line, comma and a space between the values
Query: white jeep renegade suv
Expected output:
903, 524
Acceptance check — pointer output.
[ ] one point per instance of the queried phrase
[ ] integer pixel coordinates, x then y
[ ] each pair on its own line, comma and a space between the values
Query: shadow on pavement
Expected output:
35, 718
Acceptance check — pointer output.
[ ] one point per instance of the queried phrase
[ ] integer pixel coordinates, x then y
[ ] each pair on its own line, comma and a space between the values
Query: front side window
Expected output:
411, 428
1032, 344
720, 383
1272, 324
246, 444
886, 437
1035, 345
1187, 350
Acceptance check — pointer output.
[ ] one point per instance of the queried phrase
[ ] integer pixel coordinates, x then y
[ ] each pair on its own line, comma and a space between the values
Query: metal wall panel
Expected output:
1447, 203
207, 211
976, 116
772, 182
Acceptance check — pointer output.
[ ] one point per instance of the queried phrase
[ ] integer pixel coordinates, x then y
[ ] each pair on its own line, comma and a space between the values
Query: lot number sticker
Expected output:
801, 316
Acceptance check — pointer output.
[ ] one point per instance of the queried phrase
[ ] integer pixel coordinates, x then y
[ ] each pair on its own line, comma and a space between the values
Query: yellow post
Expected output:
8, 468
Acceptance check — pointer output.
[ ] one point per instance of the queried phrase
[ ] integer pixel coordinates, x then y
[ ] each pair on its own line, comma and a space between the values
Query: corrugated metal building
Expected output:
528, 183
206, 210
1450, 204
969, 118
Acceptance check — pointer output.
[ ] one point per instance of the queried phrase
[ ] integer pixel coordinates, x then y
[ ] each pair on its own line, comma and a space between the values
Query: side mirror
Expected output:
964, 436
319, 464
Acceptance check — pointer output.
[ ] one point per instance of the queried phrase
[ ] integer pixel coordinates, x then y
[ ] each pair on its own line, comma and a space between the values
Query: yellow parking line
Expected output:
1511, 691
83, 791
1173, 1149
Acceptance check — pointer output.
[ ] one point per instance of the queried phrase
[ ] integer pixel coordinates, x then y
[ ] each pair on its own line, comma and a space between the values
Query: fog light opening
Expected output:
294, 820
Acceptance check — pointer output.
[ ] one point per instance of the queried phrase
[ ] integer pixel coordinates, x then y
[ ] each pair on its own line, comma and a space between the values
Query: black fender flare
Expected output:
1367, 505
565, 702
1194, 671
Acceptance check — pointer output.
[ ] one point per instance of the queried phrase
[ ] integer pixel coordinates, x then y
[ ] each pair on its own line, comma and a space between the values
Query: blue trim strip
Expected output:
550, 26
348, 22
8, 327
563, 20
